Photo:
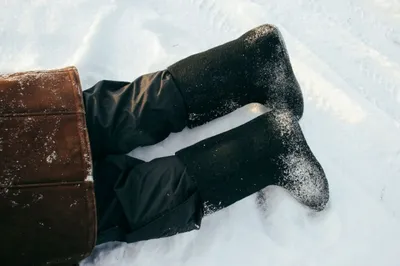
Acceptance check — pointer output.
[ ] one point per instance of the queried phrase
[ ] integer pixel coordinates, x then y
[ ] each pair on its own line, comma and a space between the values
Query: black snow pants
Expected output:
139, 200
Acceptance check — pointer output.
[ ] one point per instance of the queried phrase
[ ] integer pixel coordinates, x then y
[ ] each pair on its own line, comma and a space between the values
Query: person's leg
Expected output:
216, 172
139, 200
268, 150
167, 195
122, 116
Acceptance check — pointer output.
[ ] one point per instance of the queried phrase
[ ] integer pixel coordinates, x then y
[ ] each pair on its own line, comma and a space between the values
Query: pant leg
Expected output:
144, 200
122, 116
167, 195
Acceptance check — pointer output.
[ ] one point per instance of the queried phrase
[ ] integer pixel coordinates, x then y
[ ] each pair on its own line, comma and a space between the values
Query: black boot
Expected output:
253, 68
269, 150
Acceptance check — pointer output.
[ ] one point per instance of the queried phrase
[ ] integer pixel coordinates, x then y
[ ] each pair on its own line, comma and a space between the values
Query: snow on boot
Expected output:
268, 150
253, 68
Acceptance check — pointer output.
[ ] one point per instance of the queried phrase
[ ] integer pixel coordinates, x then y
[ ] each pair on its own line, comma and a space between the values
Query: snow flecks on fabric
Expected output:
272, 69
210, 208
274, 72
74, 203
36, 197
302, 176
305, 173
14, 203
285, 123
89, 170
21, 84
51, 157
9, 177
304, 180
227, 107
193, 116
231, 105
275, 75
259, 32
50, 143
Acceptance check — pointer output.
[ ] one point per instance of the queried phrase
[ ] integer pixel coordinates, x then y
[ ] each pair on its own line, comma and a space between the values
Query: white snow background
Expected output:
346, 56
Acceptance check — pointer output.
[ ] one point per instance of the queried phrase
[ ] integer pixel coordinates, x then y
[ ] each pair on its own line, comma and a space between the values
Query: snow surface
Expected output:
346, 55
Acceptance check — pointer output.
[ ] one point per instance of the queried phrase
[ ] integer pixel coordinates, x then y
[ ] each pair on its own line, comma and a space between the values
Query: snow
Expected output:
346, 56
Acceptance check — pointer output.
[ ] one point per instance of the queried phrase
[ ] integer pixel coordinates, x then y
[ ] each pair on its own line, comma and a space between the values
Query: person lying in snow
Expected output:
139, 200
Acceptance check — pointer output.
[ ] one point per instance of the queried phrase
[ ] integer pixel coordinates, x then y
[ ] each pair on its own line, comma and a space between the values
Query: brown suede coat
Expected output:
47, 206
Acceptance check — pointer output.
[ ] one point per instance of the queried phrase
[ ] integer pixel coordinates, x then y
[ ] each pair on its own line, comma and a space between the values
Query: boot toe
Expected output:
305, 180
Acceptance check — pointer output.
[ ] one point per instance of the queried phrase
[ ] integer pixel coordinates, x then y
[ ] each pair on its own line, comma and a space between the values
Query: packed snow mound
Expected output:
346, 57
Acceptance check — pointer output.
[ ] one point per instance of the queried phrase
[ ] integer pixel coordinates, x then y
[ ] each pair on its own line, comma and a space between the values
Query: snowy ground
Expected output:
346, 55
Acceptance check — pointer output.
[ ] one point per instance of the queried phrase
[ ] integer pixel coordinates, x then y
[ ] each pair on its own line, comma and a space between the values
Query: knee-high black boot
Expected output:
269, 150
253, 68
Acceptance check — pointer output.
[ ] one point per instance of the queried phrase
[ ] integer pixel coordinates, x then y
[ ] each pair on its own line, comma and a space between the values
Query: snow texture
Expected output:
346, 56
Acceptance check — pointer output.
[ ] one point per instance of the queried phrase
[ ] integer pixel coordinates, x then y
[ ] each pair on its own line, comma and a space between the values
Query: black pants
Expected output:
139, 200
